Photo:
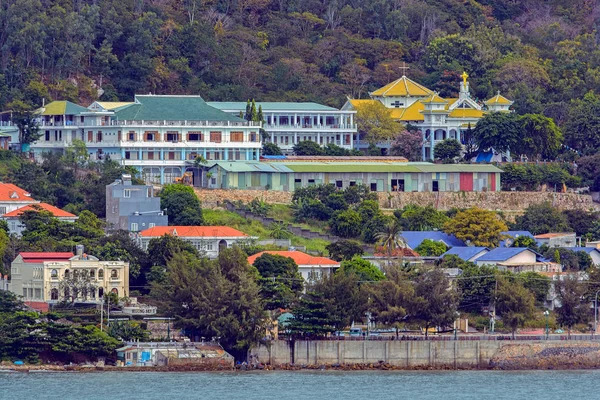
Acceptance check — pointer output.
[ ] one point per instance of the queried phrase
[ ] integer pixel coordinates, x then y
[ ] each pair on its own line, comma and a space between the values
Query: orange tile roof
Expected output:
10, 192
55, 211
299, 257
553, 235
193, 231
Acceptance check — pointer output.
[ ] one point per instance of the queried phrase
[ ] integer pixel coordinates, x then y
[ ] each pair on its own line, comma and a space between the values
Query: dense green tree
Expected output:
161, 250
573, 308
477, 226
346, 224
541, 138
447, 150
344, 250
375, 121
364, 270
499, 131
514, 303
430, 247
183, 208
542, 218
525, 241
420, 218
582, 126
433, 303
537, 284
308, 148
270, 149
280, 281
217, 298
312, 316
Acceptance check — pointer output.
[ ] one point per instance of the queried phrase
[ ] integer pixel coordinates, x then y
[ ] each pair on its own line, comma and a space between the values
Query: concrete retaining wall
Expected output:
468, 354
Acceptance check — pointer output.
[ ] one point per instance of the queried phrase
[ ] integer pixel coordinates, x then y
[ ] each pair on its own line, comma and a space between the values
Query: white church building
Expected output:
437, 118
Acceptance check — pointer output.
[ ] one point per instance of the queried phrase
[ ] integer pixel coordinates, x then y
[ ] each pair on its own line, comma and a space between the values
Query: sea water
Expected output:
299, 385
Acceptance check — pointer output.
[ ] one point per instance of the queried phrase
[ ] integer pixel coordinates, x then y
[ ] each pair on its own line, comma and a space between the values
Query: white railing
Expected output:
310, 126
150, 123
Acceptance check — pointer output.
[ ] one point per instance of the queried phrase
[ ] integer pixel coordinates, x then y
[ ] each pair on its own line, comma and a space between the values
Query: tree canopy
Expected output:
478, 227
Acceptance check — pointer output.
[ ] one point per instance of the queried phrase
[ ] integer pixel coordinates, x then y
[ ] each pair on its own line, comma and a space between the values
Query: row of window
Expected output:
83, 272
76, 294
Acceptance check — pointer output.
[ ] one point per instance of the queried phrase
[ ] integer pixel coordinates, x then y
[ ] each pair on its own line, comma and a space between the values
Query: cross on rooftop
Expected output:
404, 68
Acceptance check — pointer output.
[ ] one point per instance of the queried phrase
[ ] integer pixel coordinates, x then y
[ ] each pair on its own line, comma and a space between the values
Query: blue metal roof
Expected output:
503, 253
484, 157
273, 157
414, 238
465, 253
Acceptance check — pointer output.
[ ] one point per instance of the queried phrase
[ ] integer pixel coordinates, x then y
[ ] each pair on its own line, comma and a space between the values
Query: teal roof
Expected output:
399, 167
269, 106
238, 166
172, 108
62, 107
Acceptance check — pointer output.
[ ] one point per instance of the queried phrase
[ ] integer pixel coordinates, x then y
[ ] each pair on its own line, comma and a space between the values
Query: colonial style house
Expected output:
46, 278
13, 197
208, 240
288, 123
13, 217
158, 135
310, 267
436, 117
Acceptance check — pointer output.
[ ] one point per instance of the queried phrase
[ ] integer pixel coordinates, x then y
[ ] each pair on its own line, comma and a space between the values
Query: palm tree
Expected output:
390, 239
279, 230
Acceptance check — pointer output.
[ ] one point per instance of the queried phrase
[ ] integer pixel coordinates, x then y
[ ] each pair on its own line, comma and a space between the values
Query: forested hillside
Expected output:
541, 53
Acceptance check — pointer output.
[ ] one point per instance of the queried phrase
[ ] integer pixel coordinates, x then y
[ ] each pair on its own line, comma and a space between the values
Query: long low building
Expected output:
380, 175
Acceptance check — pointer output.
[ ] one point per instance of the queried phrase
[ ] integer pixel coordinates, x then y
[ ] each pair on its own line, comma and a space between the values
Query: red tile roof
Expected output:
10, 192
55, 211
31, 257
192, 231
299, 257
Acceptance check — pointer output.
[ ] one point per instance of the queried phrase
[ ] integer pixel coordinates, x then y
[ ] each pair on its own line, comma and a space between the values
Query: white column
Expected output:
351, 119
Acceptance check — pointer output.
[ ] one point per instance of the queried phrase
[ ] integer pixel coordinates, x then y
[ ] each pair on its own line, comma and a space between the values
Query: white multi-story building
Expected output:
437, 118
287, 123
158, 135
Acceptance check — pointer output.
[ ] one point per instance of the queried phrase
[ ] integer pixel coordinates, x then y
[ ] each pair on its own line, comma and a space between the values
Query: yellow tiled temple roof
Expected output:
402, 87
499, 99
434, 98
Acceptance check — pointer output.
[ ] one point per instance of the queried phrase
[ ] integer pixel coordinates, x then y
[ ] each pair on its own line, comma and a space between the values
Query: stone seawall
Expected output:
433, 354
501, 201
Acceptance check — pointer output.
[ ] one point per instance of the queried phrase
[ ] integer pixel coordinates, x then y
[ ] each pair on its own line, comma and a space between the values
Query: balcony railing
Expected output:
151, 123
310, 126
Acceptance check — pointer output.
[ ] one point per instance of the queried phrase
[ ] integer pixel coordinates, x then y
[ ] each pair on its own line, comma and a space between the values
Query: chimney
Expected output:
126, 179
79, 250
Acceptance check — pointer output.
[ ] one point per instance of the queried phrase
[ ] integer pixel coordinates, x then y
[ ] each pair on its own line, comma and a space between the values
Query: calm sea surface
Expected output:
371, 385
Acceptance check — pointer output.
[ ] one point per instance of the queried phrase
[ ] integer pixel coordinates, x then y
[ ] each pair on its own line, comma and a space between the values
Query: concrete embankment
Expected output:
433, 354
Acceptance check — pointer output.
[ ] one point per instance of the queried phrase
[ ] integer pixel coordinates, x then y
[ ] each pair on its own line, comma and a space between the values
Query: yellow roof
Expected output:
410, 113
402, 87
434, 98
499, 99
61, 107
359, 102
450, 102
465, 113
111, 105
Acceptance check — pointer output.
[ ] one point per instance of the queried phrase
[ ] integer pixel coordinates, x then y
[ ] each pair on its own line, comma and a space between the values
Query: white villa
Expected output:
287, 123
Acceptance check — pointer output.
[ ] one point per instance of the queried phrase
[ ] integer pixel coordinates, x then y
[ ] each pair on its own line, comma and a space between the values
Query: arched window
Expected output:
100, 291
54, 274
92, 273
92, 293
115, 291
54, 294
100, 274
66, 273
114, 273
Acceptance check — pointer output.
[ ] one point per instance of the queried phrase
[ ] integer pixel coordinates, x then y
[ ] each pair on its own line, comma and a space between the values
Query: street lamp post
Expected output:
547, 314
596, 313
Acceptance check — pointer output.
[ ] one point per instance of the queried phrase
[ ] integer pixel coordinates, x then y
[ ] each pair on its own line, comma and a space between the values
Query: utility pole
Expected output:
102, 314
493, 320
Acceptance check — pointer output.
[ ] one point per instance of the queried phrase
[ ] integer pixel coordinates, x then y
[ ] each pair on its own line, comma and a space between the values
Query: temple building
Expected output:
437, 118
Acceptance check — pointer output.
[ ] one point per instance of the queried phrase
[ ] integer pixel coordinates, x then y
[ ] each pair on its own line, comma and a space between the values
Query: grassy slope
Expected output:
255, 228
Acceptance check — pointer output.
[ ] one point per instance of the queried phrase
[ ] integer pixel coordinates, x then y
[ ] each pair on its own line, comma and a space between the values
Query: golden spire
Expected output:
465, 76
